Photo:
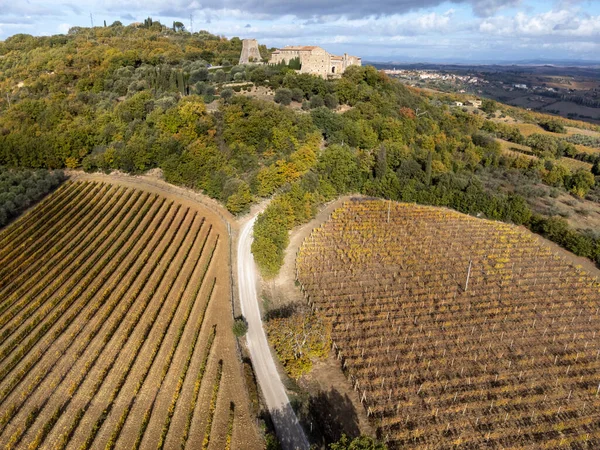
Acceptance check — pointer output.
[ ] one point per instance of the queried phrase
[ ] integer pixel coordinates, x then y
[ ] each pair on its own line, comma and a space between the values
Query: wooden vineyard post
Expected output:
468, 274
388, 214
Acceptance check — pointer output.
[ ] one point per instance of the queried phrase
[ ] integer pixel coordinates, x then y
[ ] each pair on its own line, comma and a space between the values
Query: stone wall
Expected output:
315, 60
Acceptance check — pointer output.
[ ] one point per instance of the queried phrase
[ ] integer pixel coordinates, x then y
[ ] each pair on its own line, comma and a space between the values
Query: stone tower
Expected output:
250, 52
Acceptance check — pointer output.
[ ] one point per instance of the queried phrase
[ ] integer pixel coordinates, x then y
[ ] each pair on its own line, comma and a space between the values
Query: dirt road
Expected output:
286, 423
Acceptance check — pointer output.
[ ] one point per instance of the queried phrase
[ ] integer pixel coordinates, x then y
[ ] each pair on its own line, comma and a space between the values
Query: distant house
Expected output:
520, 86
476, 103
458, 104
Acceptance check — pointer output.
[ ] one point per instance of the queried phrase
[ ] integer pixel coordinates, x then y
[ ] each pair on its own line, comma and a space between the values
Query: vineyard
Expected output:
457, 332
115, 325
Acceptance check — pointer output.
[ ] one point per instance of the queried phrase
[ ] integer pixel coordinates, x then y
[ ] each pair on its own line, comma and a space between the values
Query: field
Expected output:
457, 332
115, 325
515, 150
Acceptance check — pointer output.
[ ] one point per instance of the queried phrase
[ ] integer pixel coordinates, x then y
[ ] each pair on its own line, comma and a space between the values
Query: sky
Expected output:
376, 30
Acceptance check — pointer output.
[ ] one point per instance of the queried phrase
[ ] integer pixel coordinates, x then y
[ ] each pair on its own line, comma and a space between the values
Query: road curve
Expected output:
289, 431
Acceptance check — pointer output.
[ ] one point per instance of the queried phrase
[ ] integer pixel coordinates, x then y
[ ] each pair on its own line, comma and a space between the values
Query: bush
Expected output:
552, 126
283, 96
330, 101
226, 94
297, 95
316, 101
240, 326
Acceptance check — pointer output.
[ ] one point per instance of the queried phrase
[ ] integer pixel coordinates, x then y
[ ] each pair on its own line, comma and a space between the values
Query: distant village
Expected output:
468, 80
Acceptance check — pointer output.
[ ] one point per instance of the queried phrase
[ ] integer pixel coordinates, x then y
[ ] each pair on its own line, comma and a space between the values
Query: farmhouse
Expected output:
315, 60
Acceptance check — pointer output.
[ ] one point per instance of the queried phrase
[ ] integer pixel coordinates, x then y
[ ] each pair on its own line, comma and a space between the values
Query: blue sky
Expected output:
385, 30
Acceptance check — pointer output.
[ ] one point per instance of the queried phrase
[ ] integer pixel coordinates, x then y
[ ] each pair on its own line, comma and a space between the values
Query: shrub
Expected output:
240, 326
330, 101
297, 94
552, 126
316, 101
226, 94
283, 96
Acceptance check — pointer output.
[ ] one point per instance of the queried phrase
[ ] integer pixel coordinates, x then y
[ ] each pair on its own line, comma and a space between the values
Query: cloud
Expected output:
307, 9
562, 23
486, 8
63, 28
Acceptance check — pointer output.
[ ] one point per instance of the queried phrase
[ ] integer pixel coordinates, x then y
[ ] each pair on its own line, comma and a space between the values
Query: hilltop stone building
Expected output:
315, 60
250, 53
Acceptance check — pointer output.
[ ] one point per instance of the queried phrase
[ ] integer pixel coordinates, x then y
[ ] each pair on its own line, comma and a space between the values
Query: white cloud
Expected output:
63, 28
565, 23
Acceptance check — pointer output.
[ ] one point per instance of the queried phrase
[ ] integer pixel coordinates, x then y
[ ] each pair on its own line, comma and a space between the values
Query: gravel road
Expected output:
286, 423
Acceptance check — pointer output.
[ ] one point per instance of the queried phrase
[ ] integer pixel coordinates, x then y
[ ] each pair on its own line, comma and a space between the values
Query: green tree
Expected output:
338, 166
489, 106
581, 182
330, 101
240, 326
428, 168
226, 94
381, 164
283, 96
297, 95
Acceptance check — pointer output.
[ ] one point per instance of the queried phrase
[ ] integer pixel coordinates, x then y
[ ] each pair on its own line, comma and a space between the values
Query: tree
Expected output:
240, 326
489, 106
553, 126
240, 200
316, 101
220, 76
581, 182
226, 94
295, 64
283, 96
338, 165
330, 101
429, 168
258, 75
381, 162
297, 94
197, 75
298, 339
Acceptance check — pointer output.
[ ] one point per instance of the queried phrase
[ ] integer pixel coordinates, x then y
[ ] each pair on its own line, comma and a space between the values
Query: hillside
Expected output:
456, 331
116, 324
135, 98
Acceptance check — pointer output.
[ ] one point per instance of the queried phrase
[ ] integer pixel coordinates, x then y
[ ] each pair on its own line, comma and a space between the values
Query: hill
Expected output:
456, 331
116, 324
135, 98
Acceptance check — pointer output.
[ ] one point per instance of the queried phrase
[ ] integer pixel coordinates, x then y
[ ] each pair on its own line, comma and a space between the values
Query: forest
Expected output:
134, 98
